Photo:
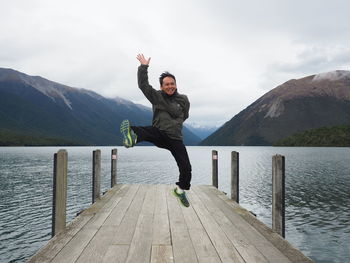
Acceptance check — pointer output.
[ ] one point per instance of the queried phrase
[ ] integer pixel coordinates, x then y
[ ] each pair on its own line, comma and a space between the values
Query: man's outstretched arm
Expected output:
142, 80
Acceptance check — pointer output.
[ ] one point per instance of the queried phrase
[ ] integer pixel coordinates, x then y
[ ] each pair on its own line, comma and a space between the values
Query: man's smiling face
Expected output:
168, 86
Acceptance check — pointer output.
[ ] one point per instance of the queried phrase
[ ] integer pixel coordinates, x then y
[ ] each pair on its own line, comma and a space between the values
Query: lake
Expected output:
317, 190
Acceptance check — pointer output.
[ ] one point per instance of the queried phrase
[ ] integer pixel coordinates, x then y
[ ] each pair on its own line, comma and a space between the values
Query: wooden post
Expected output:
60, 171
235, 176
96, 175
114, 167
214, 155
278, 194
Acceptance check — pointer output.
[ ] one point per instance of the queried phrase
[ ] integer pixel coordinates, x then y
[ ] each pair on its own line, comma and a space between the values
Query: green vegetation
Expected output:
12, 139
337, 136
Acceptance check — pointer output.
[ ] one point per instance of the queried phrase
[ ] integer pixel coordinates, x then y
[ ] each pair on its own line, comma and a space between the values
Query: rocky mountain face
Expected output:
295, 106
34, 106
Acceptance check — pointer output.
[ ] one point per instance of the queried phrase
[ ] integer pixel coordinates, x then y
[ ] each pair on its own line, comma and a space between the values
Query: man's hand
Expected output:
143, 60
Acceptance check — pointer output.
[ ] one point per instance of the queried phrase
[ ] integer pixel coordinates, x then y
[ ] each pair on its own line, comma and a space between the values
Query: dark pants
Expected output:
176, 147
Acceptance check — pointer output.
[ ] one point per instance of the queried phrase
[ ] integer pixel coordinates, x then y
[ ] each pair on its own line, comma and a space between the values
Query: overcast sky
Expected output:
225, 54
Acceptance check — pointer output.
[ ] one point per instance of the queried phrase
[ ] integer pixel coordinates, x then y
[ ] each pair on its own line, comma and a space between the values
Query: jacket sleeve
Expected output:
142, 79
186, 108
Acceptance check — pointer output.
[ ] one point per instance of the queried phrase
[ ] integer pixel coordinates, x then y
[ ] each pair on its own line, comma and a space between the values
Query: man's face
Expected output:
168, 86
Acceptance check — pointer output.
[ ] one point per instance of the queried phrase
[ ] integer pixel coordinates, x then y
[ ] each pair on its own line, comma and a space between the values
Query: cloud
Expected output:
225, 54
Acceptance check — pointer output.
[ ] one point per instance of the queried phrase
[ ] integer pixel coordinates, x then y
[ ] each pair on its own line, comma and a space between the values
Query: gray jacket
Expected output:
169, 112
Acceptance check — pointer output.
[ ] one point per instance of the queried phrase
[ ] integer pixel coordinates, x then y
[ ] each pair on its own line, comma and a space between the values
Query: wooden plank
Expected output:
254, 237
244, 247
114, 204
141, 244
118, 212
203, 247
162, 254
126, 228
116, 254
183, 249
97, 247
107, 199
161, 219
56, 244
72, 251
283, 246
226, 251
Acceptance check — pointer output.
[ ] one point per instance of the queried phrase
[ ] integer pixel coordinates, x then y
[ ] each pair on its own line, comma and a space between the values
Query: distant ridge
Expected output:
297, 105
336, 136
32, 106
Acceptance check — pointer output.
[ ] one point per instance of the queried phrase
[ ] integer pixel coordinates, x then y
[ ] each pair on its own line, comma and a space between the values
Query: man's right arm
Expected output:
142, 79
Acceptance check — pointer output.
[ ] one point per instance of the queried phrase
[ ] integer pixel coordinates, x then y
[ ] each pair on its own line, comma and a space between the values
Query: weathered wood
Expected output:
141, 244
59, 192
214, 157
49, 251
225, 249
161, 220
122, 226
114, 167
118, 212
59, 241
278, 194
235, 214
235, 176
97, 247
116, 254
238, 238
183, 249
74, 249
202, 244
126, 227
96, 175
162, 254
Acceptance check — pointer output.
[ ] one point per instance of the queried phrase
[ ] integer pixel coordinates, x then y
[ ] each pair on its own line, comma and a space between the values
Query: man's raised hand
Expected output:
143, 60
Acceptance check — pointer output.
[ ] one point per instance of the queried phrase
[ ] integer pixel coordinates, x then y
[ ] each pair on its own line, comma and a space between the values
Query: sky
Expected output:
225, 54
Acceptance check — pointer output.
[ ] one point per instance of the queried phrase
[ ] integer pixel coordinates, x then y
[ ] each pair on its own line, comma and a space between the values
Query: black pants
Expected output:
176, 147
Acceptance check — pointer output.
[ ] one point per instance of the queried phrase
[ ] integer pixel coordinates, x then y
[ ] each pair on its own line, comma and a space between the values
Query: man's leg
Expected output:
178, 150
149, 134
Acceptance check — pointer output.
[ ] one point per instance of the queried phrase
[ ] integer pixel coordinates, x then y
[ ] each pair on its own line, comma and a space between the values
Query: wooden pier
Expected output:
146, 223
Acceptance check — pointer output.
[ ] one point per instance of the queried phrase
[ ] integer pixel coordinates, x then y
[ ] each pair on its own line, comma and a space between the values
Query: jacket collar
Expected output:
169, 96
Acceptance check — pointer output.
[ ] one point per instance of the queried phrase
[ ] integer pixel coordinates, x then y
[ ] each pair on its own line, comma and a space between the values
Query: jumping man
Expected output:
170, 110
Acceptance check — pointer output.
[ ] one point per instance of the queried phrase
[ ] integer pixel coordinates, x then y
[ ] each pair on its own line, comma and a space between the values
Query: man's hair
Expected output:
164, 75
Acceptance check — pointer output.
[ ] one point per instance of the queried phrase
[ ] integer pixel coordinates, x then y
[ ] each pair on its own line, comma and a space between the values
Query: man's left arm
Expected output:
186, 109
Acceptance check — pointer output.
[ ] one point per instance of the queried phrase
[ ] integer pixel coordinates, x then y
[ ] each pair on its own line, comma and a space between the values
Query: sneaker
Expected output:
182, 197
130, 137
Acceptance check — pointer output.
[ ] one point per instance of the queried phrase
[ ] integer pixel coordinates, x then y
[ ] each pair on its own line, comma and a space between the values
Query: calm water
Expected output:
317, 191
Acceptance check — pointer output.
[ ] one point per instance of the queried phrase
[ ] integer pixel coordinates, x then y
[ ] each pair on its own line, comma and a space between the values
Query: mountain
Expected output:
35, 107
297, 105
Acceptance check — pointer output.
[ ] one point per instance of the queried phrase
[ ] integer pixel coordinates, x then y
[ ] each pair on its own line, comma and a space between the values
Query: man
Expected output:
170, 110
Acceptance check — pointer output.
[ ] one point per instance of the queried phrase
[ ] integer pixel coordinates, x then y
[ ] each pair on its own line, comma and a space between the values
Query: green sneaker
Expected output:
129, 136
182, 197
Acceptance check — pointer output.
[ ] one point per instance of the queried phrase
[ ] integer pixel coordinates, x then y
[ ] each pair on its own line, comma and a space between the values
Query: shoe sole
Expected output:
125, 131
178, 198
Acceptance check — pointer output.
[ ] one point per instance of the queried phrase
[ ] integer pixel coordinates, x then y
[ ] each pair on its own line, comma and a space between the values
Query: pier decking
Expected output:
145, 223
